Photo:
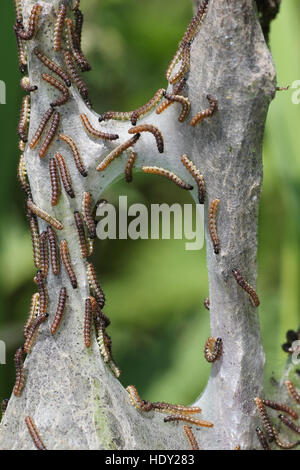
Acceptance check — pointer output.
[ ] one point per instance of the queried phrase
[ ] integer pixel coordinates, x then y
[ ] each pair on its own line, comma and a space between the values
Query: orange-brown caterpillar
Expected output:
88, 315
41, 127
75, 152
59, 25
65, 95
34, 433
284, 445
265, 418
213, 349
44, 256
155, 170
20, 377
207, 303
50, 135
191, 438
175, 59
292, 391
281, 407
33, 313
82, 87
74, 45
117, 116
185, 63
43, 215
22, 145
99, 316
34, 230
94, 132
64, 250
213, 106
55, 186
59, 311
52, 66
4, 404
78, 24
18, 10
289, 423
24, 118
262, 439
94, 284
154, 130
188, 419
195, 22
172, 98
25, 85
32, 24
116, 152
22, 175
86, 209
33, 332
177, 89
193, 170
212, 214
246, 287
129, 166
22, 57
147, 107
53, 250
43, 295
81, 234
64, 174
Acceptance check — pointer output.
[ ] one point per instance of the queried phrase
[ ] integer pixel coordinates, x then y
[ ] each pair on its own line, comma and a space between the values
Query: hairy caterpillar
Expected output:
94, 132
246, 287
41, 127
22, 175
52, 66
59, 311
33, 331
188, 419
22, 57
191, 438
32, 24
281, 407
82, 87
65, 256
24, 118
167, 174
50, 135
265, 418
43, 296
81, 234
53, 250
94, 284
59, 25
88, 315
33, 313
34, 230
147, 107
171, 98
212, 214
213, 107
65, 95
64, 174
34, 433
185, 63
284, 445
55, 186
149, 128
116, 152
289, 423
193, 170
20, 378
75, 152
43, 215
44, 257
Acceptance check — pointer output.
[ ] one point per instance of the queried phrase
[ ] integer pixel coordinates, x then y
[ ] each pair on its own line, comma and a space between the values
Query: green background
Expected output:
155, 289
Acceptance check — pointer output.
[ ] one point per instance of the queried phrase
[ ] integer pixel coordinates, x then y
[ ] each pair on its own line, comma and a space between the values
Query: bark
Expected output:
71, 394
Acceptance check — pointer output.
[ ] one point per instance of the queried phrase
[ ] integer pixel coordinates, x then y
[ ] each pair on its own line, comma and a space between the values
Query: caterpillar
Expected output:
43, 215
265, 418
81, 234
91, 246
94, 132
55, 186
246, 287
174, 61
129, 166
103, 341
154, 130
58, 28
289, 423
94, 284
155, 170
33, 313
65, 95
22, 57
4, 404
22, 145
213, 107
82, 87
22, 175
24, 118
40, 129
34, 433
25, 85
188, 419
193, 170
52, 66
43, 296
18, 10
88, 315
212, 214
74, 46
177, 89
53, 250
115, 115
75, 152
191, 438
172, 98
32, 24
34, 230
44, 257
292, 391
64, 250
185, 63
207, 303
59, 311
213, 349
20, 377
262, 439
99, 316
284, 445
281, 407
50, 135
147, 107
86, 209
116, 152
163, 407
64, 174
33, 332
195, 22
135, 399
115, 369
78, 25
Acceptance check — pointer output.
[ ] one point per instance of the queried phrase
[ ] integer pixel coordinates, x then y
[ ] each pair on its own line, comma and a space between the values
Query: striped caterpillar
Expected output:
33, 331
81, 234
34, 433
213, 349
22, 57
172, 98
86, 210
24, 118
129, 166
64, 174
65, 95
32, 24
284, 445
55, 186
193, 170
265, 418
18, 10
52, 66
191, 438
75, 152
20, 378
289, 423
82, 87
188, 419
44, 257
94, 132
33, 313
177, 89
212, 214
149, 128
25, 85
41, 127
74, 46
59, 25
117, 151
65, 256
246, 287
88, 316
94, 284
59, 311
292, 391
262, 439
22, 176
167, 174
34, 230
53, 250
281, 407
50, 135
43, 295
43, 215
213, 107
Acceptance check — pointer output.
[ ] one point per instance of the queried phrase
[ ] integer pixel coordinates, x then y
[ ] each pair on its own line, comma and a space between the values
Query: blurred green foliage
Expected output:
155, 289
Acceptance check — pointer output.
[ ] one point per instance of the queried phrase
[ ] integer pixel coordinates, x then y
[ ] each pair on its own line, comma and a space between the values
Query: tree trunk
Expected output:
71, 394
